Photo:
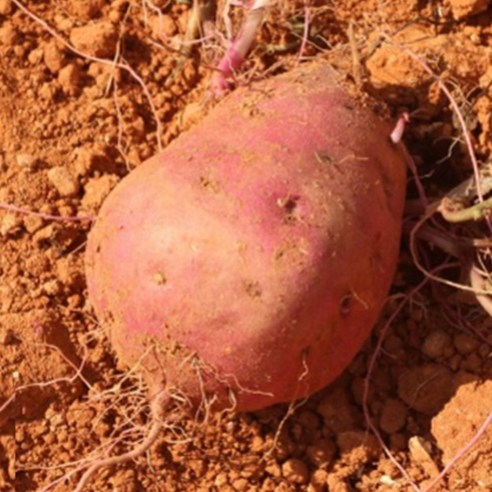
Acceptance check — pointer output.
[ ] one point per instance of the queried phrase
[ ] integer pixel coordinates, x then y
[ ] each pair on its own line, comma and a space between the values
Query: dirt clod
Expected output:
466, 8
457, 424
64, 182
98, 39
295, 471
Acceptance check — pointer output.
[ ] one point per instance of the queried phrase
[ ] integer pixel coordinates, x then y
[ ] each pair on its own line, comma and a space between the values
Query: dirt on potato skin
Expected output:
67, 137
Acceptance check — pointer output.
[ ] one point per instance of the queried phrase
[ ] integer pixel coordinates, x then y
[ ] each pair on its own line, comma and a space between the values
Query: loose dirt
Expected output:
71, 127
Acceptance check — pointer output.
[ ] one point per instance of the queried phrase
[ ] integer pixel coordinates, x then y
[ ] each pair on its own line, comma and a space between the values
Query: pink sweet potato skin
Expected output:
249, 261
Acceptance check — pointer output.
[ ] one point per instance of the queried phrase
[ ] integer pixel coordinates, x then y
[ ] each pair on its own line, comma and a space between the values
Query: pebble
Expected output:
63, 181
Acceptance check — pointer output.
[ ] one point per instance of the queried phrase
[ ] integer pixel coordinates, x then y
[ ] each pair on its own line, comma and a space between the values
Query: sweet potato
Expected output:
247, 263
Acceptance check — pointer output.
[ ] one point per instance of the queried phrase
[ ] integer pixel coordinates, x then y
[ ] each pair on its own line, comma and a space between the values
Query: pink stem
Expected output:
397, 133
237, 51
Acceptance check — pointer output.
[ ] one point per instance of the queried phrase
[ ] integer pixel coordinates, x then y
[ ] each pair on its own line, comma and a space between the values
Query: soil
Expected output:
72, 127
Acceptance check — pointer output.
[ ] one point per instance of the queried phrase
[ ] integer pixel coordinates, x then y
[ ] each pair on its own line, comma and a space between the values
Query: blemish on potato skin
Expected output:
159, 278
324, 157
253, 289
209, 184
288, 204
346, 303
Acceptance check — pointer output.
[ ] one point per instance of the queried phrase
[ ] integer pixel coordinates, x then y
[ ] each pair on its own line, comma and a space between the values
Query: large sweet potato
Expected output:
248, 262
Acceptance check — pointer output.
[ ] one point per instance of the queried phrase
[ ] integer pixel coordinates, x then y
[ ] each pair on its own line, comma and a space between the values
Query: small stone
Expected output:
295, 471
435, 343
393, 416
69, 78
63, 181
98, 39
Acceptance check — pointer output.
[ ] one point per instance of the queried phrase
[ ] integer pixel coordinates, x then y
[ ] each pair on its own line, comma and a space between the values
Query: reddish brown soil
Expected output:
71, 128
